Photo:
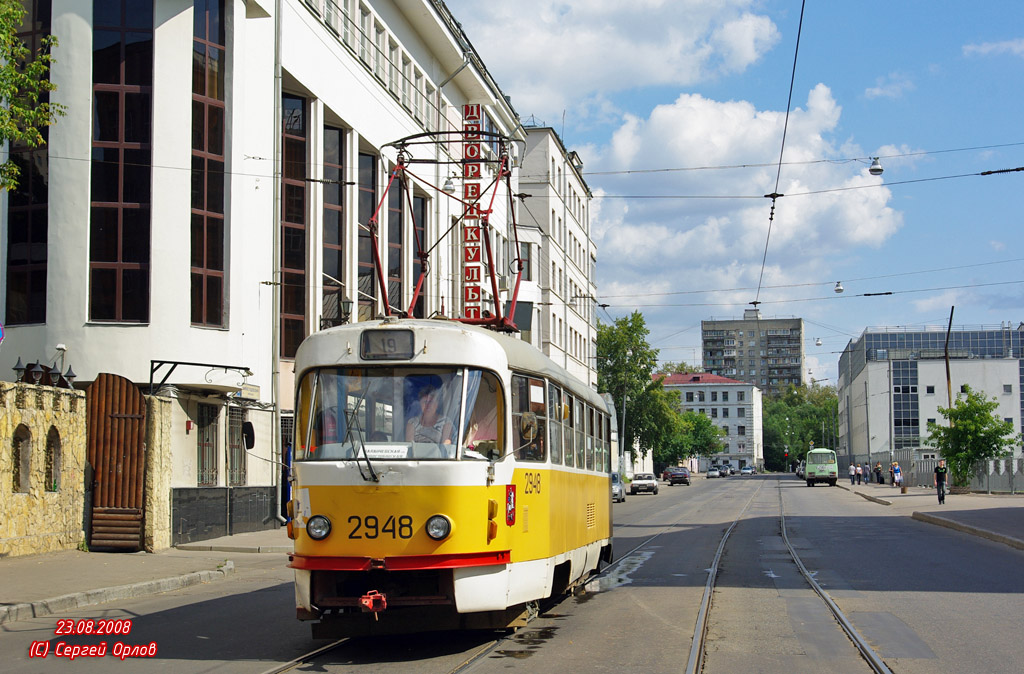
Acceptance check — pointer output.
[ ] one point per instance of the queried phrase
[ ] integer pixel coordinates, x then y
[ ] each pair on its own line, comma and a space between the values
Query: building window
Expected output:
930, 390
419, 225
700, 396
689, 396
725, 396
237, 464
524, 256
396, 227
208, 179
714, 412
741, 412
206, 445
27, 205
333, 226
367, 204
725, 412
119, 234
714, 396
52, 460
741, 430
293, 224
740, 396
931, 421
963, 388
1007, 388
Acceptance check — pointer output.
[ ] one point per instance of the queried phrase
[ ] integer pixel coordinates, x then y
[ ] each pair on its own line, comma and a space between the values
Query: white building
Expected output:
892, 380
205, 200
555, 220
734, 406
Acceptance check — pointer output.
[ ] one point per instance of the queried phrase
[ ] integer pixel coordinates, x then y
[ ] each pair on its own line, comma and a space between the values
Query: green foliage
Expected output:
24, 85
974, 434
681, 367
796, 419
625, 365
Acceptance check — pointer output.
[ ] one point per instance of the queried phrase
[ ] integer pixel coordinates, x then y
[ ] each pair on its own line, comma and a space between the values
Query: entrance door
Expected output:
116, 437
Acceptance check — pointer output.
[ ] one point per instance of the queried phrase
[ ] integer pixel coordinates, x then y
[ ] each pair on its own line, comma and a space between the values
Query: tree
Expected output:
24, 88
974, 434
625, 362
796, 419
681, 367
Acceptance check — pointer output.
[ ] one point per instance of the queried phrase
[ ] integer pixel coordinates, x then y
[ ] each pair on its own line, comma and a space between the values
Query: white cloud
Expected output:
1012, 47
997, 245
647, 246
552, 55
893, 85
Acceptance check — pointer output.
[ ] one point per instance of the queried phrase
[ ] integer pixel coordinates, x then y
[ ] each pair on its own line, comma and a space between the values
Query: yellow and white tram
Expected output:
445, 476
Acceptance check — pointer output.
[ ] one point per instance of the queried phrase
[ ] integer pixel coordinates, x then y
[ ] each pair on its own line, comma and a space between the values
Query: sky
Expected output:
678, 109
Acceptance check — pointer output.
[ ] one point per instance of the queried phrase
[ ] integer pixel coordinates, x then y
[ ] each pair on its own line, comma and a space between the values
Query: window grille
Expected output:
237, 457
206, 446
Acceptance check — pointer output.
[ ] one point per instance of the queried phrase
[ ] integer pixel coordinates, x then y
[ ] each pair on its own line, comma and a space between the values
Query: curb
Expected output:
974, 531
867, 497
69, 602
253, 549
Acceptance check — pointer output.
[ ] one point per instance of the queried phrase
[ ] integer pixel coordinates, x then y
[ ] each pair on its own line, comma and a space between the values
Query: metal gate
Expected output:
117, 430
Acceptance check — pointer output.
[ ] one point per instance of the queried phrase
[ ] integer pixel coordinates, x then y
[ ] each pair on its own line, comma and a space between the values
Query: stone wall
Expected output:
157, 525
43, 511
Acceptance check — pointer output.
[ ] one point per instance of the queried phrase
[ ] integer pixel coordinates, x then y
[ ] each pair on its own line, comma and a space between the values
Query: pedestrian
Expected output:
860, 473
897, 474
940, 480
853, 473
878, 473
892, 472
867, 473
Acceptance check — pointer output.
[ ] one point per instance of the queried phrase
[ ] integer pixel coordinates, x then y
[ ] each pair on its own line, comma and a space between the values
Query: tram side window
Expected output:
484, 436
579, 425
591, 431
569, 438
600, 450
607, 443
555, 422
529, 418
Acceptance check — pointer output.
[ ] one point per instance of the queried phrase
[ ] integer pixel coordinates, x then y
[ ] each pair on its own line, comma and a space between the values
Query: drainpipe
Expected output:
275, 374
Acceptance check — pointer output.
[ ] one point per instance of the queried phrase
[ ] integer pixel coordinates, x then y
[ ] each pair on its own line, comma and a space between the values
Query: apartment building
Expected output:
766, 352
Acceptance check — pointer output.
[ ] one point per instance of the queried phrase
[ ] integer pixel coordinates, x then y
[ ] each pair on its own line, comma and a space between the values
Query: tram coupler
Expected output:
373, 602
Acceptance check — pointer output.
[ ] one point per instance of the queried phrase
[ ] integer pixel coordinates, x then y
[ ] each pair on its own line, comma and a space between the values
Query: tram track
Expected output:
695, 662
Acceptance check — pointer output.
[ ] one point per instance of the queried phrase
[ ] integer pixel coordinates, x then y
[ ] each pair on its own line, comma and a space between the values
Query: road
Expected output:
926, 599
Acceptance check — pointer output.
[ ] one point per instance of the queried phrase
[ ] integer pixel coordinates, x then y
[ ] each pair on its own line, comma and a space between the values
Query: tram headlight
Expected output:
318, 527
438, 527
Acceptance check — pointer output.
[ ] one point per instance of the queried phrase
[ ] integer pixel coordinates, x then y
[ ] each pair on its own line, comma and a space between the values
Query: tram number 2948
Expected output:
532, 483
371, 527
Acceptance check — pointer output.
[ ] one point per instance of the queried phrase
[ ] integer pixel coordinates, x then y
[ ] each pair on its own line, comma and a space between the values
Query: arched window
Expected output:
21, 459
52, 459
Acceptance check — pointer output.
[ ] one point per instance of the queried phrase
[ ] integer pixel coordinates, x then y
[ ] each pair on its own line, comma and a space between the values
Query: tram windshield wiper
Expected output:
352, 422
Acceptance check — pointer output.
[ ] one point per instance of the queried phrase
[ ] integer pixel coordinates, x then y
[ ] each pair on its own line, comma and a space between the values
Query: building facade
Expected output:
766, 352
208, 200
733, 406
892, 380
561, 254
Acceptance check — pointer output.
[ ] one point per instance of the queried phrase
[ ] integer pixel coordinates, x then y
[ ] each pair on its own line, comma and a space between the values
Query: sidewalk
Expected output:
997, 517
57, 582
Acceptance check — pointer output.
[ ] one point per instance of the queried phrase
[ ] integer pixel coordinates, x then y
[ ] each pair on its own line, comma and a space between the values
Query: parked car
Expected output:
726, 469
800, 470
618, 489
678, 475
747, 470
713, 472
643, 482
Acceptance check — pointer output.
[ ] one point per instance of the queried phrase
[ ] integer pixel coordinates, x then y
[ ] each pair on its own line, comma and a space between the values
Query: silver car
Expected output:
713, 472
618, 489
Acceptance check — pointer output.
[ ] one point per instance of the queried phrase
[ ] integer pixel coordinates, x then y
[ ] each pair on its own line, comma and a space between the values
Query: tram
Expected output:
445, 476
821, 466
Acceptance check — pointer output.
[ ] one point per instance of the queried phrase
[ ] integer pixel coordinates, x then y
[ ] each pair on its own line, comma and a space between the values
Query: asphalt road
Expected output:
927, 599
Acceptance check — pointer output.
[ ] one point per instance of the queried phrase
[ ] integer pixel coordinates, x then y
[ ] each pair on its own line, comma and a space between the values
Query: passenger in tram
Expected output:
429, 425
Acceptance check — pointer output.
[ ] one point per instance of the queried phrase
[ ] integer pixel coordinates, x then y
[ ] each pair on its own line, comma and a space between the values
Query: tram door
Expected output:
116, 429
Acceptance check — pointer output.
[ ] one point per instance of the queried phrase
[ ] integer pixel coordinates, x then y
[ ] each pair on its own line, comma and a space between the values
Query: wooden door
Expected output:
116, 437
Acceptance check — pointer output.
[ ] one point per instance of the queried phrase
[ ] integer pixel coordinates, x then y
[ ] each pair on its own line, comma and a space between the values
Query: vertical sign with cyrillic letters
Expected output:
472, 259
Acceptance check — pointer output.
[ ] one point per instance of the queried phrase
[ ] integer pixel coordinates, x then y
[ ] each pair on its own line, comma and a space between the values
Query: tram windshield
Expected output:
398, 413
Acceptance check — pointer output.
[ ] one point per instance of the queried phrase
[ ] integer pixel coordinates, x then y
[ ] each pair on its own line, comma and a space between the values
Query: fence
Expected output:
996, 476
